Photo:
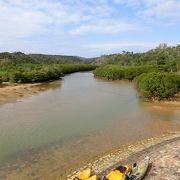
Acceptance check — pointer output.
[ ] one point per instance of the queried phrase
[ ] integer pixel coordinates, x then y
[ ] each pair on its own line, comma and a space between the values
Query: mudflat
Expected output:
13, 92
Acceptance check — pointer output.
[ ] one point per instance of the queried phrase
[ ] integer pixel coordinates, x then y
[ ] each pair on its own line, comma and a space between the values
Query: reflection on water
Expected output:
81, 118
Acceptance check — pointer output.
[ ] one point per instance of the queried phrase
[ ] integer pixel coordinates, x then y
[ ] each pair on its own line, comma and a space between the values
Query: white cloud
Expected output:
128, 3
126, 45
156, 11
122, 44
46, 25
31, 18
105, 27
168, 10
20, 19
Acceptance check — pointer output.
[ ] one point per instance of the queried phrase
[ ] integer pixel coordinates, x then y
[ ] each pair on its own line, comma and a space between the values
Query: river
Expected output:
78, 119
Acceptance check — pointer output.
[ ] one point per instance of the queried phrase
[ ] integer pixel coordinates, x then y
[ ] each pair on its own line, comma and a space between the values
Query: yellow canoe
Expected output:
118, 174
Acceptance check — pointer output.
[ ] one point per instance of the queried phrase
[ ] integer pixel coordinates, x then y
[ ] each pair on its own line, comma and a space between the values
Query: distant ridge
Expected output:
21, 58
159, 56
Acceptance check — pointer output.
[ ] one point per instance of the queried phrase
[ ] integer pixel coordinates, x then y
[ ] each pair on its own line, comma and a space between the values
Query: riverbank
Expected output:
152, 82
175, 100
11, 92
162, 150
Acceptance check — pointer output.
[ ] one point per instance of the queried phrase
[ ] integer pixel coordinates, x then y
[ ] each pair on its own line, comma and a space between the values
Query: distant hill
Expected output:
159, 56
21, 58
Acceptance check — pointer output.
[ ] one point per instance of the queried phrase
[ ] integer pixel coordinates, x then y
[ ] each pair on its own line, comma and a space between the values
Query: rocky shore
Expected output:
163, 151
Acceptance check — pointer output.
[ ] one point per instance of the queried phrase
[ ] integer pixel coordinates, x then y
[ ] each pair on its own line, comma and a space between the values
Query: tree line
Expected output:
153, 82
162, 55
21, 58
155, 73
30, 73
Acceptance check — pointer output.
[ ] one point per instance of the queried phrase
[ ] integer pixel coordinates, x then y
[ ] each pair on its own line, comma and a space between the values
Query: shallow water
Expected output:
76, 120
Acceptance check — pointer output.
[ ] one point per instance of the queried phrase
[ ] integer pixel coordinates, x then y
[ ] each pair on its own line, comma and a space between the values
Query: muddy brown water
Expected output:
79, 118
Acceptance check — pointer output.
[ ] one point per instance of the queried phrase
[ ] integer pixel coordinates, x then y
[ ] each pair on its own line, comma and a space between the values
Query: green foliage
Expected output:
21, 58
29, 73
163, 55
115, 72
158, 85
152, 81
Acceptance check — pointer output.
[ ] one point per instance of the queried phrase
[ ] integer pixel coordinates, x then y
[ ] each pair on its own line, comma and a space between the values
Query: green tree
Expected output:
158, 85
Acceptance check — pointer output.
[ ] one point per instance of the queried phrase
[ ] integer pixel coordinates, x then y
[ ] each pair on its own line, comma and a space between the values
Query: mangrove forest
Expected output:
155, 73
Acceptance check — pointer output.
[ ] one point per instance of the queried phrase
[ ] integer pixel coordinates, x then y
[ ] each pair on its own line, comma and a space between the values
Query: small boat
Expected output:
138, 171
117, 174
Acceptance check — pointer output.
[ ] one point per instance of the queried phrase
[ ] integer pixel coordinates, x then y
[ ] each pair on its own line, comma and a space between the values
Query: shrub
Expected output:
158, 85
115, 72
16, 77
27, 73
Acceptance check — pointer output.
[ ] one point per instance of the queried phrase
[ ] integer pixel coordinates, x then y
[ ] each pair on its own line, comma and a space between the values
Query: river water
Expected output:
73, 122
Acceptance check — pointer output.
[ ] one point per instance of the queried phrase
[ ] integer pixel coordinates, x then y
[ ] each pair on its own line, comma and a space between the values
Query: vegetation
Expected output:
30, 73
162, 55
115, 72
155, 72
21, 58
151, 81
158, 85
18, 67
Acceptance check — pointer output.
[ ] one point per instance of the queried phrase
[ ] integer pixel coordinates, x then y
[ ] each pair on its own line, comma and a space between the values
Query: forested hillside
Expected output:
21, 58
162, 55
18, 67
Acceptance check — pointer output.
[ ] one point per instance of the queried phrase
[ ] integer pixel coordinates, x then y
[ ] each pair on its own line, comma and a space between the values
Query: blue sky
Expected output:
87, 27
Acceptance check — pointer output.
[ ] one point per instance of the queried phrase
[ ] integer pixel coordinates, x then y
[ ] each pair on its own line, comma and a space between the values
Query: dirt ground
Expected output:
12, 92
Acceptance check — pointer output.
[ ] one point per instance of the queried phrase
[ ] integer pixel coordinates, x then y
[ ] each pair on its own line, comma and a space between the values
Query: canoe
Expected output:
138, 172
118, 174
